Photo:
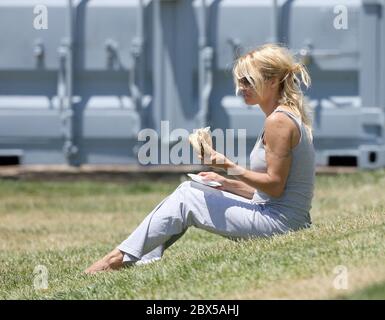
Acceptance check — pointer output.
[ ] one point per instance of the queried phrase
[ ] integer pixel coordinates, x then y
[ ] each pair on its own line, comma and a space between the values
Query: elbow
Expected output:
276, 194
277, 190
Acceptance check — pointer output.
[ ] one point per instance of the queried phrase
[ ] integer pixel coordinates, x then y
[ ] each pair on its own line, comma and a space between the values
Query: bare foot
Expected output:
112, 261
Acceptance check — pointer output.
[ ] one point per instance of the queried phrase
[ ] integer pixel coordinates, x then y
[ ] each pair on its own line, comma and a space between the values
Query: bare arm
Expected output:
239, 187
278, 136
230, 185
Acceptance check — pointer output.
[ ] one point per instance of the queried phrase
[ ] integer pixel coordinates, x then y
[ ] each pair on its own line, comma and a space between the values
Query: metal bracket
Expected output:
112, 48
38, 49
236, 47
65, 103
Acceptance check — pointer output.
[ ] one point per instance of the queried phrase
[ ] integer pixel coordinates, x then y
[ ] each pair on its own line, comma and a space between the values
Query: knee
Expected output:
182, 190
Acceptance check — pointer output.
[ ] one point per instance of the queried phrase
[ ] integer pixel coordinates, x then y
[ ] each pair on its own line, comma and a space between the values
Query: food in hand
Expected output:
199, 139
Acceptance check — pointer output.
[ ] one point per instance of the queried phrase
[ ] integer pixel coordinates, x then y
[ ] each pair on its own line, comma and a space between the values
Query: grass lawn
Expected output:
65, 226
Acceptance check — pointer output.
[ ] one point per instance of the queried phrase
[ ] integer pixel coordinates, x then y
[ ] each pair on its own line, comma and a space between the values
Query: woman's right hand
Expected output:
213, 176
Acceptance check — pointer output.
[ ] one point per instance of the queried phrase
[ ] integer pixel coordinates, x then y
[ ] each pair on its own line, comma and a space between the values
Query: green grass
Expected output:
65, 226
372, 292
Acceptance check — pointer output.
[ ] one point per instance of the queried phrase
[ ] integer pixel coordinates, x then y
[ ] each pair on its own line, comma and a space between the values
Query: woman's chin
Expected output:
248, 102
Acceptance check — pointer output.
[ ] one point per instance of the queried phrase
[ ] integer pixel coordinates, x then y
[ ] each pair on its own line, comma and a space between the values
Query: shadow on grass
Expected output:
372, 292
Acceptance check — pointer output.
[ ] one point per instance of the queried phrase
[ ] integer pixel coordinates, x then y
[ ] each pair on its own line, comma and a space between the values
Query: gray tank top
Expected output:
295, 202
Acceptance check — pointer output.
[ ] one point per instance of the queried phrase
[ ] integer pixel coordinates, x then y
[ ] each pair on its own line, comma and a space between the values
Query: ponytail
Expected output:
292, 96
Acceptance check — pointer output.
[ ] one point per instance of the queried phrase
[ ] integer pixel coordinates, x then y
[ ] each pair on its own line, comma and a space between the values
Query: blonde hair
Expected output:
274, 61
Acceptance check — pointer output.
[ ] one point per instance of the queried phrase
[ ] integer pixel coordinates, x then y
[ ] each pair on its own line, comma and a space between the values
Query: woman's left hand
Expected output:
213, 176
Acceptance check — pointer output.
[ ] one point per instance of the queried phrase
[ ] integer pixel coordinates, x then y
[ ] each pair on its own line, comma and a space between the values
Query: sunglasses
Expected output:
244, 82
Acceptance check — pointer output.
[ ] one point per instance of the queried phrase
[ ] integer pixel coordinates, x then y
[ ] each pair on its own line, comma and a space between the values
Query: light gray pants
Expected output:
194, 204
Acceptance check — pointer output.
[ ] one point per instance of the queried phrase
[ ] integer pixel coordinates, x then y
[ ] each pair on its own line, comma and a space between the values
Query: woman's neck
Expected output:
269, 106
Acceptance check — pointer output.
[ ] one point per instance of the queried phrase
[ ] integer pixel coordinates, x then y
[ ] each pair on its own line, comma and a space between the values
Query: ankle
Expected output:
115, 254
115, 258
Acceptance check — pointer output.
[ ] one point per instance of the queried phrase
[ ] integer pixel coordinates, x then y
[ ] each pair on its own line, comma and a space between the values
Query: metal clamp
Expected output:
112, 48
65, 100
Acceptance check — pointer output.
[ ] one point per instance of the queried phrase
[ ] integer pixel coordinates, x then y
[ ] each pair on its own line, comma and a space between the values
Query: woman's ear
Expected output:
274, 83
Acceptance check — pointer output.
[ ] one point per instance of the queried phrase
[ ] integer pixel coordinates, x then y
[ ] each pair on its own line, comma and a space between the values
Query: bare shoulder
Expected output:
279, 128
279, 121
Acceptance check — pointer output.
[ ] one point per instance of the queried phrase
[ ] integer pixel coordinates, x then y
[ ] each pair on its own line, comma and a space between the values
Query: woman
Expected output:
273, 197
